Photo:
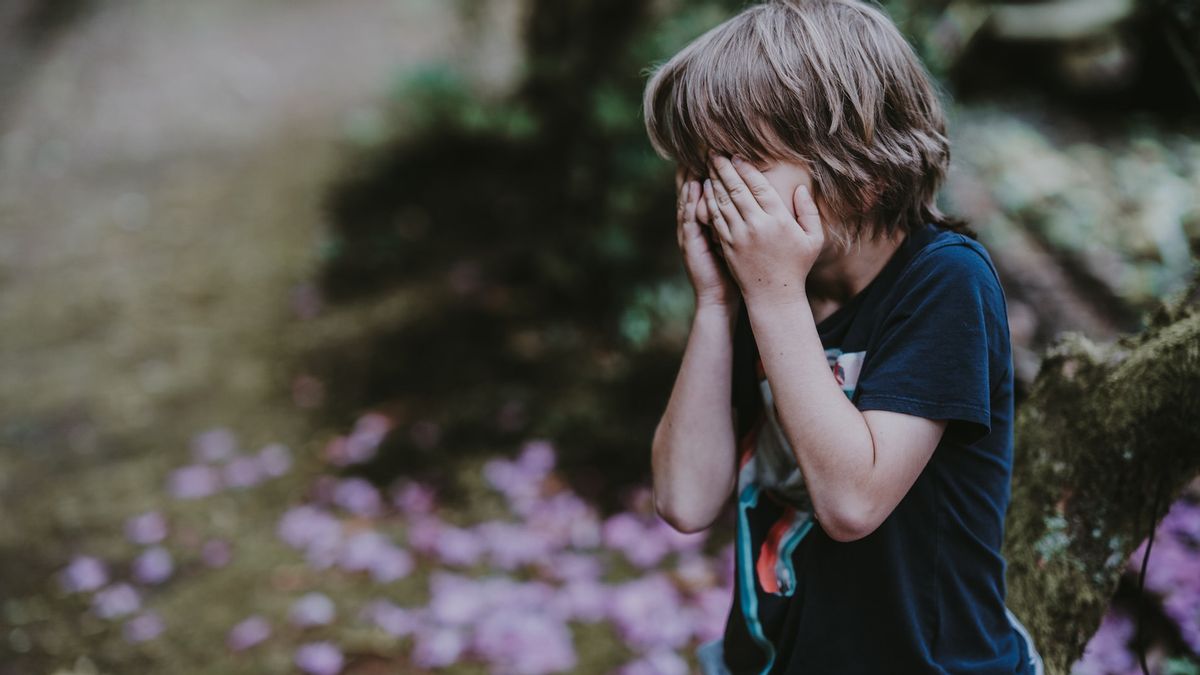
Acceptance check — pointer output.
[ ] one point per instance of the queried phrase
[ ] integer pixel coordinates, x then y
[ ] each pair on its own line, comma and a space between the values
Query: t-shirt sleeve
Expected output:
933, 352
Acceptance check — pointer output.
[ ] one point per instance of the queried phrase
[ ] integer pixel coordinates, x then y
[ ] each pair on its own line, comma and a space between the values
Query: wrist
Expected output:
727, 306
716, 312
794, 298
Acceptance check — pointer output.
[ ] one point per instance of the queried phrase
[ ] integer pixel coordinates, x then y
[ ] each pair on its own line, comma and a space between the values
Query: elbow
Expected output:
848, 522
687, 527
846, 532
687, 508
681, 522
687, 521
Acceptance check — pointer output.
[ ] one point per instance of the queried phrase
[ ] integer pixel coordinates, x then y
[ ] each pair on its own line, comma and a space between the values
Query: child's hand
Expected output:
709, 277
769, 251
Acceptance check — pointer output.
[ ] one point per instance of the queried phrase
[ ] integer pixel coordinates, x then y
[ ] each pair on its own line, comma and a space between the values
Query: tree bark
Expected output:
1108, 437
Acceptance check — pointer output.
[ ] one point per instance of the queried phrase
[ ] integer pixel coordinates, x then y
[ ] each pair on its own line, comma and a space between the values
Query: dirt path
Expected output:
160, 183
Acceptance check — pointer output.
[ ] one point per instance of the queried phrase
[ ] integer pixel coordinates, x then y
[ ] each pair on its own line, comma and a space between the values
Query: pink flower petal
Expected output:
84, 573
391, 565
193, 482
438, 646
522, 640
319, 658
214, 445
413, 498
153, 566
117, 600
275, 460
143, 627
251, 631
146, 528
242, 472
312, 609
394, 620
359, 497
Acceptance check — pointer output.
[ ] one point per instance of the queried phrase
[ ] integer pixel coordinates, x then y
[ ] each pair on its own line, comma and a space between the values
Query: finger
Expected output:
680, 207
681, 195
714, 213
806, 210
688, 225
765, 194
687, 205
721, 251
738, 192
732, 216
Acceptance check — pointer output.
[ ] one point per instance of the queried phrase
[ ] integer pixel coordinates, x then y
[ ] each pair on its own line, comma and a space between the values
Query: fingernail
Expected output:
707, 184
737, 159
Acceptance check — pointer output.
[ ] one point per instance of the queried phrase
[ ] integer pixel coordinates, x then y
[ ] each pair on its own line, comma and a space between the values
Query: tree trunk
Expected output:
1107, 438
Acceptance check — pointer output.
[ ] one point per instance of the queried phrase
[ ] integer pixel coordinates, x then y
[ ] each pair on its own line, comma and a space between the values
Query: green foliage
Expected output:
1181, 666
552, 207
437, 95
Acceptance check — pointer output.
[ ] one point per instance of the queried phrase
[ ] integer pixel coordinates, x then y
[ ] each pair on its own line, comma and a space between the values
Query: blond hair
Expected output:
829, 83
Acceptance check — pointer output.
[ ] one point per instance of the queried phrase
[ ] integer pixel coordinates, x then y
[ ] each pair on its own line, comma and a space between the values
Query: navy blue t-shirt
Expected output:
925, 592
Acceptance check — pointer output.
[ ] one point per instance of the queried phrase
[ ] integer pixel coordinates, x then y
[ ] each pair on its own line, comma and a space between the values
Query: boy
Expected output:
864, 338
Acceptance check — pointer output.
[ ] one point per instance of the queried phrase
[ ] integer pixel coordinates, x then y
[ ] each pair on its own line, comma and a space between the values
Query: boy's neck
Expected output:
839, 275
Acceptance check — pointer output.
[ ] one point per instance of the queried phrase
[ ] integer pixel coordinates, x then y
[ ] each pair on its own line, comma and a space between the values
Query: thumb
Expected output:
806, 210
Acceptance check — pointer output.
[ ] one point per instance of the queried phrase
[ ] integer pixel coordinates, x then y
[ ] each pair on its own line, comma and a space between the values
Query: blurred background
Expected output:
335, 332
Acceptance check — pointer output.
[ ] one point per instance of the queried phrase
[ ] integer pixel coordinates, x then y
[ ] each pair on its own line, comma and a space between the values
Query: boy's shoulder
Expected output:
951, 257
946, 274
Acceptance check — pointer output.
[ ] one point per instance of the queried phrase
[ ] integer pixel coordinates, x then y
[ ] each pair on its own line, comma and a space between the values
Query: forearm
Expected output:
693, 455
828, 434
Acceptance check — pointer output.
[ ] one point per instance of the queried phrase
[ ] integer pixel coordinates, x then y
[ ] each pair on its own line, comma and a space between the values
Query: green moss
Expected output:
1107, 432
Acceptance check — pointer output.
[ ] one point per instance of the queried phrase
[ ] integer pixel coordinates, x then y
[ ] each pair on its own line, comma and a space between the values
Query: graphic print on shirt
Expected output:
767, 466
